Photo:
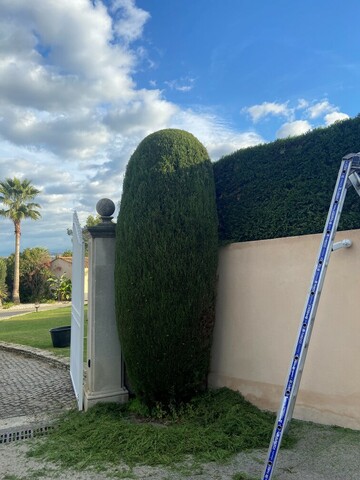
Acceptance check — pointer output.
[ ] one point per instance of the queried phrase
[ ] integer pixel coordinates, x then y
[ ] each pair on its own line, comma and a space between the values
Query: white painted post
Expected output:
105, 367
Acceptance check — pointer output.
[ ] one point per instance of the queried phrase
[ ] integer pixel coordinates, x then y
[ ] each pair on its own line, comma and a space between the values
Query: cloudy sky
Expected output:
82, 82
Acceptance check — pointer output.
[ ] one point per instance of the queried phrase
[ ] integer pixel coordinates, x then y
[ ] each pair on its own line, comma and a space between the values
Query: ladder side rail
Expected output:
326, 248
307, 319
321, 263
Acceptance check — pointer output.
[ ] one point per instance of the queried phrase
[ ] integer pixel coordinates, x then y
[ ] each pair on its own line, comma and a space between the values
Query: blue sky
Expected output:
83, 82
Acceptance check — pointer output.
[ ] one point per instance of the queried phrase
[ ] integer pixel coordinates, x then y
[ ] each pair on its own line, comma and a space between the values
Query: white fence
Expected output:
77, 313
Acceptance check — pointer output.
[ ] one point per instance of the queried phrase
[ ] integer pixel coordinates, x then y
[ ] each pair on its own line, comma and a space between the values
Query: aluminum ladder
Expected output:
348, 176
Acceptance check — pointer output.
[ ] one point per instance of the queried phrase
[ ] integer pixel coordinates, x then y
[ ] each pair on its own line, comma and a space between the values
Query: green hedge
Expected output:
166, 260
284, 188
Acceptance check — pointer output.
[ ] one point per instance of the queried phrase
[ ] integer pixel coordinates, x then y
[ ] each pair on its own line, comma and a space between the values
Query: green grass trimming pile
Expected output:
242, 476
211, 427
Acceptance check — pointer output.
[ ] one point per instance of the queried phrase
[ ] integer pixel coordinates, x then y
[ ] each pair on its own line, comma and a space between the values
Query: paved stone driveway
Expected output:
30, 386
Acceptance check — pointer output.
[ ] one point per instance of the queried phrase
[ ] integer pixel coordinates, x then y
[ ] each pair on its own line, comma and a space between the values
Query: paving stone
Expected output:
32, 386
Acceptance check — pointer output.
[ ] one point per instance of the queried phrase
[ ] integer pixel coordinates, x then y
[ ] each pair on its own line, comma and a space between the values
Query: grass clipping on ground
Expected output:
212, 427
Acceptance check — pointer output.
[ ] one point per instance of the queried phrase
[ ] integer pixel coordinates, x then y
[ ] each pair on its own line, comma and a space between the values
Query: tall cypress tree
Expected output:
166, 260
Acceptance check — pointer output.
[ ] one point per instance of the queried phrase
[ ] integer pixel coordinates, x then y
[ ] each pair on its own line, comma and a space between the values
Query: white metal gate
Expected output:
77, 312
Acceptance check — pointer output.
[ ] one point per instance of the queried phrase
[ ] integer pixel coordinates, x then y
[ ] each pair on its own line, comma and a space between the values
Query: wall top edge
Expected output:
340, 235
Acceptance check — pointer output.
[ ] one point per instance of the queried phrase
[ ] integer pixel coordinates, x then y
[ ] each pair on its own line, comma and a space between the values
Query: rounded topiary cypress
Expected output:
165, 272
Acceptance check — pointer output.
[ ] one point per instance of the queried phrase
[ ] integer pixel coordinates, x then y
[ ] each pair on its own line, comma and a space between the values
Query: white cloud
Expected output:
302, 103
71, 114
320, 109
333, 117
181, 85
292, 129
330, 113
258, 112
131, 23
145, 113
217, 137
79, 134
69, 60
228, 142
321, 113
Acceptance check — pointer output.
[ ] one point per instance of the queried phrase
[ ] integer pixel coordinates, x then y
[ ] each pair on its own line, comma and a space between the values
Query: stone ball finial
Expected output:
105, 208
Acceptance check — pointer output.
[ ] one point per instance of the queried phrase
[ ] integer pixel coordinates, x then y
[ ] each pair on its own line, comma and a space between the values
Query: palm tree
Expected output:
16, 195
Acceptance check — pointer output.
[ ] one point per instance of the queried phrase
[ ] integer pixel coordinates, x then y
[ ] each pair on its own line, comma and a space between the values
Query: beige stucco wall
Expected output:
61, 267
262, 288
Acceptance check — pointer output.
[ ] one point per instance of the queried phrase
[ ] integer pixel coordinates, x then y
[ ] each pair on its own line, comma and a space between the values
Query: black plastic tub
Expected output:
61, 336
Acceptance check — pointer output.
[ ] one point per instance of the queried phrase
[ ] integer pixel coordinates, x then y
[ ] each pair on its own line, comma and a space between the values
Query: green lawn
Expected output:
32, 329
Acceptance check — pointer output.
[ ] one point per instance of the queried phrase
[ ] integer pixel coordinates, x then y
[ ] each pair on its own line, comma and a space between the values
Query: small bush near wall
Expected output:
166, 260
284, 188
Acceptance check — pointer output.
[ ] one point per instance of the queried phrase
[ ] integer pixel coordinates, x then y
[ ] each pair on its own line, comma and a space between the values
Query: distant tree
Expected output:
2, 270
17, 196
66, 253
3, 286
34, 274
3, 293
91, 221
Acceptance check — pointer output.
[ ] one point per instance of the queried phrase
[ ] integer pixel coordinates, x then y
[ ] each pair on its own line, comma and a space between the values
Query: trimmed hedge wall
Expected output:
284, 188
165, 270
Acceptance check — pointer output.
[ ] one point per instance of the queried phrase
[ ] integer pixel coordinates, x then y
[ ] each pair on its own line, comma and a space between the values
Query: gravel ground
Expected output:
321, 453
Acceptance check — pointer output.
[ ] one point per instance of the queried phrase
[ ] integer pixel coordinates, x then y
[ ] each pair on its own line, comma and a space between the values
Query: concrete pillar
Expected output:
105, 367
